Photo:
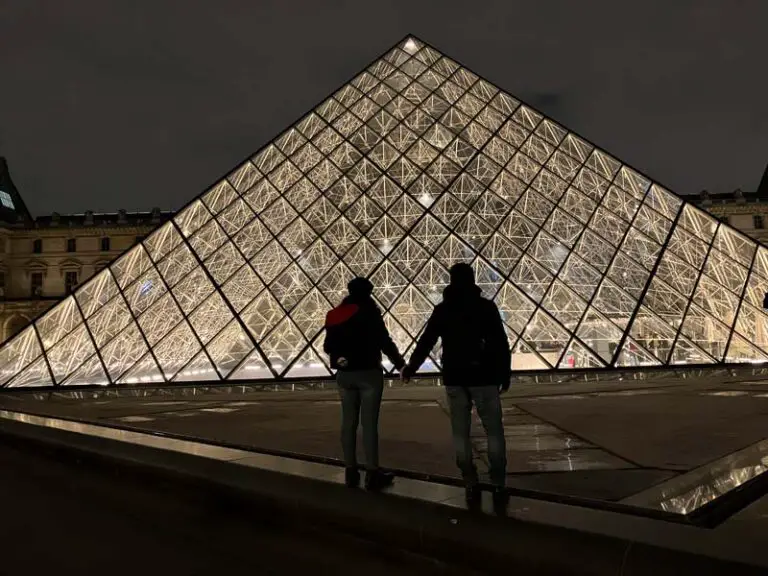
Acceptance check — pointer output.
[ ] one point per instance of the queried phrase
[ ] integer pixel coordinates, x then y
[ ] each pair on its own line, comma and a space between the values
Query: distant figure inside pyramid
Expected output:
414, 165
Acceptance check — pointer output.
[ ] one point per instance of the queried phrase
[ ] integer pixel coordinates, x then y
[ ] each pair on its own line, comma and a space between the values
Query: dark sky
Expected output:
108, 104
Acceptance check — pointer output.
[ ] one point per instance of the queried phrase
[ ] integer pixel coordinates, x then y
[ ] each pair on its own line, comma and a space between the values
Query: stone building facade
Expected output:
44, 258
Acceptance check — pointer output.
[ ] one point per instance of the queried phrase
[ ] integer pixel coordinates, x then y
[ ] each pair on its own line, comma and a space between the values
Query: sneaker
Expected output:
500, 501
376, 480
351, 477
474, 498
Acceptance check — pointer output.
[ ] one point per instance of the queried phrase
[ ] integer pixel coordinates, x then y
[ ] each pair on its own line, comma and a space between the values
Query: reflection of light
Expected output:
425, 199
386, 246
145, 287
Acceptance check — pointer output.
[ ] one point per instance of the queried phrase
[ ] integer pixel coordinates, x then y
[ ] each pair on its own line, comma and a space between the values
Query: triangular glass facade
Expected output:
414, 165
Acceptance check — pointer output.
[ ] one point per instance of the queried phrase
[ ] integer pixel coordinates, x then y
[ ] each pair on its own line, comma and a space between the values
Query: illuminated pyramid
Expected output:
414, 165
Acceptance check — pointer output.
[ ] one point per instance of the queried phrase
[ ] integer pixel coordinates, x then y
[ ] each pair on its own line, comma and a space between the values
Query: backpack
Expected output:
341, 334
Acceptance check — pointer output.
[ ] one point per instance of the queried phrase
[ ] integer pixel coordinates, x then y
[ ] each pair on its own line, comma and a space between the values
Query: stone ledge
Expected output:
415, 516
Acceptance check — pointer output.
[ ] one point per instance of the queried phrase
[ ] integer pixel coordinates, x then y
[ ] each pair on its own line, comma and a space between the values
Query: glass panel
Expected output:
524, 358
96, 293
290, 286
580, 276
145, 371
308, 365
108, 321
488, 279
283, 345
753, 323
59, 322
91, 373
210, 317
599, 334
35, 375
548, 251
123, 351
270, 261
412, 310
727, 272
70, 353
219, 197
262, 315
362, 258
614, 303
706, 332
192, 290
515, 308
245, 176
628, 274
677, 274
208, 239
162, 241
564, 305
156, 322
641, 248
176, 349
224, 262
687, 352
131, 266
474, 230
177, 265
237, 215
578, 356
688, 247
742, 351
192, 218
532, 278
652, 333
253, 368
698, 222
501, 253
309, 314
546, 337
229, 348
199, 369
146, 290
453, 251
242, 288
663, 202
652, 224
261, 196
431, 281
388, 283
665, 301
632, 355
716, 300
334, 284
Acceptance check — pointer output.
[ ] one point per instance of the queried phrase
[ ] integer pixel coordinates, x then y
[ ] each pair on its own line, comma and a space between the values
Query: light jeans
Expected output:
486, 400
360, 392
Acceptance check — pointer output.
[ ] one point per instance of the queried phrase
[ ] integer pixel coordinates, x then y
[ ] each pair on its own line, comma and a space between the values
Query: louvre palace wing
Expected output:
414, 165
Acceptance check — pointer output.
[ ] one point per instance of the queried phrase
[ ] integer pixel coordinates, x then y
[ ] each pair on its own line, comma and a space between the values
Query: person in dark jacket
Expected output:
355, 338
476, 368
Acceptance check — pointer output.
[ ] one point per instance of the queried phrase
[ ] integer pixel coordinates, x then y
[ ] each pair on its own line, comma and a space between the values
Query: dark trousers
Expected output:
486, 400
360, 392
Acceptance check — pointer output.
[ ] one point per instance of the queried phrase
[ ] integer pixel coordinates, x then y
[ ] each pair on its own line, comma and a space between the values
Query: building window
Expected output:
105, 245
757, 221
5, 200
70, 281
71, 244
37, 246
36, 283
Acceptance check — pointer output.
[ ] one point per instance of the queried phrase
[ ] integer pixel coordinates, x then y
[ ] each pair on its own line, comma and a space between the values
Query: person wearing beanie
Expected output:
355, 337
476, 366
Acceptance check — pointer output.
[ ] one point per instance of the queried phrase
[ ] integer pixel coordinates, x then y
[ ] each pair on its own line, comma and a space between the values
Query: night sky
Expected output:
115, 104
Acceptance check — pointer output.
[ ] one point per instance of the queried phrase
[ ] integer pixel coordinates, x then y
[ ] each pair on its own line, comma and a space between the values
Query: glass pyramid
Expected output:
414, 165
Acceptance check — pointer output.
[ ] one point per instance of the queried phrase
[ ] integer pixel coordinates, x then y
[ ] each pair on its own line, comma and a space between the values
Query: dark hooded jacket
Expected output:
475, 346
356, 331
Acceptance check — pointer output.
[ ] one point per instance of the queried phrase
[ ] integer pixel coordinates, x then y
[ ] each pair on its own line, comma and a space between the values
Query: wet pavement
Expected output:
670, 444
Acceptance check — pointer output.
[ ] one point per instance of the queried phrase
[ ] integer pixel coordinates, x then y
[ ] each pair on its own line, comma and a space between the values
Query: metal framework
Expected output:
415, 164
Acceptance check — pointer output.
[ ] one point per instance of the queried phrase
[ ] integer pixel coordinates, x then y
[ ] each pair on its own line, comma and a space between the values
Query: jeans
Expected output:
486, 400
360, 392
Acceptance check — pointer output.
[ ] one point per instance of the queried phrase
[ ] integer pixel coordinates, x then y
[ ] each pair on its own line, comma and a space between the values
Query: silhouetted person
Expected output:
476, 368
355, 338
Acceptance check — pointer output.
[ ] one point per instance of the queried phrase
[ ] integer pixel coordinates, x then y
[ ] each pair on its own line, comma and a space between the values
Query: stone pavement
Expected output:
598, 440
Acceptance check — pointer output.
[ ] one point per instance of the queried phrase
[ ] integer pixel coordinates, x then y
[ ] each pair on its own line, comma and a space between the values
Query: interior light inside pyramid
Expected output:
413, 166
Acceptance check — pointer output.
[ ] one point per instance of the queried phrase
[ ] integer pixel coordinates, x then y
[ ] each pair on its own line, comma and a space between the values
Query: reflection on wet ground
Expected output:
670, 443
